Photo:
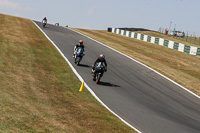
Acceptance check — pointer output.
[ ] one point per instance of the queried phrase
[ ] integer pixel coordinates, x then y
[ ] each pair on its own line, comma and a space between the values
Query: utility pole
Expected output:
175, 27
199, 40
169, 27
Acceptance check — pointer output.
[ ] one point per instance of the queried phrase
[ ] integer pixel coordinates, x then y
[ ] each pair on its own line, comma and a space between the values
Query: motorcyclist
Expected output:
79, 45
102, 59
44, 20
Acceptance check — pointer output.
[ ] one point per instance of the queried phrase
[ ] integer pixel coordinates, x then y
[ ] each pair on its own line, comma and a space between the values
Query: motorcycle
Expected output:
78, 56
44, 23
98, 72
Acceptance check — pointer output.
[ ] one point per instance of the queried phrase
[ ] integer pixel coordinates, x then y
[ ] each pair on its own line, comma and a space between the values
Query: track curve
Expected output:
137, 94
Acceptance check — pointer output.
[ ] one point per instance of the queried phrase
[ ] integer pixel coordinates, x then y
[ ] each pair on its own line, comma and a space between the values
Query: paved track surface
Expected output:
146, 100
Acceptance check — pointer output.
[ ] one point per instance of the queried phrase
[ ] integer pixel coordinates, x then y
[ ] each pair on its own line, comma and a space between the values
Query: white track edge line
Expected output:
81, 79
141, 64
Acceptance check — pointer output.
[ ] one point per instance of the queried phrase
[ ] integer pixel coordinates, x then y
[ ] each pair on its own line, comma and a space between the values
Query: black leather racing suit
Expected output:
99, 60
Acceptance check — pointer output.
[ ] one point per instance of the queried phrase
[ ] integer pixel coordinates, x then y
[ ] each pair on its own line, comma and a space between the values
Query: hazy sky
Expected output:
184, 15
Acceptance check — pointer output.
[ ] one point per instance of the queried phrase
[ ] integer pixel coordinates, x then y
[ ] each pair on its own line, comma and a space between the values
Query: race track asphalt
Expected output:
143, 98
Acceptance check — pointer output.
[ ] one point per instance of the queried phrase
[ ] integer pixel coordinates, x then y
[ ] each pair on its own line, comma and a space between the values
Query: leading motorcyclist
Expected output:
77, 46
44, 20
102, 59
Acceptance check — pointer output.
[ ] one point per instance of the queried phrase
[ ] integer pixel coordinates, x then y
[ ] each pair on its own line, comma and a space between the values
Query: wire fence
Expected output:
190, 38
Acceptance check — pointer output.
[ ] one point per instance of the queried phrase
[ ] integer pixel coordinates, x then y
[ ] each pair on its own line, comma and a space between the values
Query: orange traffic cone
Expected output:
82, 86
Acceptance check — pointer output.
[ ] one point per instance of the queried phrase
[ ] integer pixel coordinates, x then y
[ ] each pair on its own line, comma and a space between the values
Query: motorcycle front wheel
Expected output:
97, 78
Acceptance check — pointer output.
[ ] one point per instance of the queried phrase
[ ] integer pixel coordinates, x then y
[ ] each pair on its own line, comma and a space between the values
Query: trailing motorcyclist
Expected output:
80, 45
101, 60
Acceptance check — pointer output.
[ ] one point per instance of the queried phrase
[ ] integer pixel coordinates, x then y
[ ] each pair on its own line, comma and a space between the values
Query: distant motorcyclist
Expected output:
44, 20
79, 45
100, 59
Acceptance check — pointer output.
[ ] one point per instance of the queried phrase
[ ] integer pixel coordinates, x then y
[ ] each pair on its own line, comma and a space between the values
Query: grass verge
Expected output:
39, 91
180, 67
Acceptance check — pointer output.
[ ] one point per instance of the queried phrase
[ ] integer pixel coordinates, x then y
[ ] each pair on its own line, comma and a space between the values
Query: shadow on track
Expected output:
83, 65
108, 84
46, 27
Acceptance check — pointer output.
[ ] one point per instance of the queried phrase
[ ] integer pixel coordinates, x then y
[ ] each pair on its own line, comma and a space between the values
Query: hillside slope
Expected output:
39, 91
